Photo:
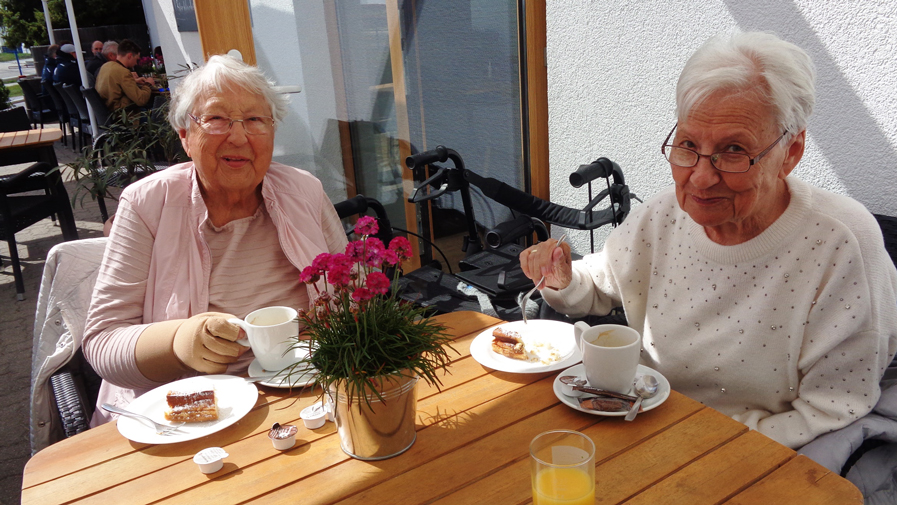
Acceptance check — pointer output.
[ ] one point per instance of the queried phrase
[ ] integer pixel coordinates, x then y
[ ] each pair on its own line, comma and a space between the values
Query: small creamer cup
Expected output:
610, 354
283, 436
210, 460
270, 332
314, 416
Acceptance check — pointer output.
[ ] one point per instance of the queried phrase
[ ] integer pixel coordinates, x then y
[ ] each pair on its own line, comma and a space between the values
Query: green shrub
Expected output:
4, 97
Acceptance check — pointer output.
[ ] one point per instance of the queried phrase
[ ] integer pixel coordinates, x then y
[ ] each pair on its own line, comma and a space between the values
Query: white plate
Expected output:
298, 378
236, 397
663, 391
558, 333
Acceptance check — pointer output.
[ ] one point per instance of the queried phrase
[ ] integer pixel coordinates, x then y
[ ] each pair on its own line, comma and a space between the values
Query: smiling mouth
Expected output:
234, 158
706, 201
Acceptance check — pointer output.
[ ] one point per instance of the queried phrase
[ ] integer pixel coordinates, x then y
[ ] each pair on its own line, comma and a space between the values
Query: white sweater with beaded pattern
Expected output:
788, 333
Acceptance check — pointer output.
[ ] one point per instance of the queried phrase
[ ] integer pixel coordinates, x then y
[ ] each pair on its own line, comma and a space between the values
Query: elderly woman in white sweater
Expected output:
755, 293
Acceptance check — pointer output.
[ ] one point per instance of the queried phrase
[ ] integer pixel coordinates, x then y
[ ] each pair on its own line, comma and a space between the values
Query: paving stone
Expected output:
16, 330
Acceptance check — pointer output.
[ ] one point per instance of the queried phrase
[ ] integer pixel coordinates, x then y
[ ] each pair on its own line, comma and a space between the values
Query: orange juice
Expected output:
563, 486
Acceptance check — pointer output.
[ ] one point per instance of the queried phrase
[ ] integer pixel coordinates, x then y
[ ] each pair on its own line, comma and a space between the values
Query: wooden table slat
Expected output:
720, 474
481, 465
661, 456
800, 480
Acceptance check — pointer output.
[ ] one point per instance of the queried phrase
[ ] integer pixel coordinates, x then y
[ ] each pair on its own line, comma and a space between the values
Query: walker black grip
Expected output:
600, 168
509, 231
352, 206
439, 154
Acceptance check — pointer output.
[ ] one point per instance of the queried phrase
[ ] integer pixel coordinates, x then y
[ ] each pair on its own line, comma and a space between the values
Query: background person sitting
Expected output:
117, 84
110, 53
97, 60
49, 65
66, 70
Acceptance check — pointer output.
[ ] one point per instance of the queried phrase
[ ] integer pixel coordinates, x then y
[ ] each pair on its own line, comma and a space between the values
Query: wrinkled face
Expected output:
233, 162
734, 207
97, 47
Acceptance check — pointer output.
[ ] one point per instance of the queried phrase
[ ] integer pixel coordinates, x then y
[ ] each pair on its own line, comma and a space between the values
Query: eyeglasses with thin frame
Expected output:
219, 125
724, 162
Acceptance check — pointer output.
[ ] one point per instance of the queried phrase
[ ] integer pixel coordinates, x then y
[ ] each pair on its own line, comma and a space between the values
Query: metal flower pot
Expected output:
377, 429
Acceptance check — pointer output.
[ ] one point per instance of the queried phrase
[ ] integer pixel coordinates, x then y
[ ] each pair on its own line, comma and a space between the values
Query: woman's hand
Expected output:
207, 342
548, 260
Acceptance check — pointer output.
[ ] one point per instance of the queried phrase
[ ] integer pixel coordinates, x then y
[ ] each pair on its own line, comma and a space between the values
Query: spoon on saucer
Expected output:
645, 387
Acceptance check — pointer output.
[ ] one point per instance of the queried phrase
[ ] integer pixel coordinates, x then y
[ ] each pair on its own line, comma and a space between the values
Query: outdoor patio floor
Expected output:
16, 330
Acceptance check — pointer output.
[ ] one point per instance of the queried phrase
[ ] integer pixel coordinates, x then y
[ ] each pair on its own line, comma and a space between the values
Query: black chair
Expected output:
14, 119
61, 111
77, 98
19, 211
100, 111
39, 105
74, 115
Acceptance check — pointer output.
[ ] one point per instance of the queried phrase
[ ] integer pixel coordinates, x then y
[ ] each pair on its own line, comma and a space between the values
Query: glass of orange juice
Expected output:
562, 466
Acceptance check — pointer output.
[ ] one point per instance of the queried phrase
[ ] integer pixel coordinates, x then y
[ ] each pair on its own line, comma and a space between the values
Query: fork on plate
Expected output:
526, 297
161, 429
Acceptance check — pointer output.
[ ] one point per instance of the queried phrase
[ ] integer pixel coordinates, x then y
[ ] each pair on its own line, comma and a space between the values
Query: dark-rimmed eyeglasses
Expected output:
219, 125
724, 162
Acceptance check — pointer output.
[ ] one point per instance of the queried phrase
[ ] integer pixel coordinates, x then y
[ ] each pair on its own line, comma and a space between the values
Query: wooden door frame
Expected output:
224, 25
535, 40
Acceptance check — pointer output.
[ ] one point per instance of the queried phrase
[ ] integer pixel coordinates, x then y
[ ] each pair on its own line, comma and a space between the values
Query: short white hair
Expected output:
218, 74
779, 71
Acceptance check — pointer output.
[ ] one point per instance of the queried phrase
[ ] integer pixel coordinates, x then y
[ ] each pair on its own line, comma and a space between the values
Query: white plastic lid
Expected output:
315, 411
210, 455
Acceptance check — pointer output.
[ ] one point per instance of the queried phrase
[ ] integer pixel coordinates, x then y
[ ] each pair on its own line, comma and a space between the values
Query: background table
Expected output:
29, 145
471, 448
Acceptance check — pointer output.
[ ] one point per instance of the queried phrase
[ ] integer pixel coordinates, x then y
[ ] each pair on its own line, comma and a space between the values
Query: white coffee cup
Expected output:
270, 331
610, 354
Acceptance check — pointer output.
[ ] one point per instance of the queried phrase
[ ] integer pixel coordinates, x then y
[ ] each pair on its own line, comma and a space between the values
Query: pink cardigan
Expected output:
164, 212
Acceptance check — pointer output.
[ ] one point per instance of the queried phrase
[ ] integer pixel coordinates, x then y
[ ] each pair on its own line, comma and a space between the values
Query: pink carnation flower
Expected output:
402, 247
378, 283
373, 255
362, 294
366, 225
310, 275
390, 257
355, 250
321, 262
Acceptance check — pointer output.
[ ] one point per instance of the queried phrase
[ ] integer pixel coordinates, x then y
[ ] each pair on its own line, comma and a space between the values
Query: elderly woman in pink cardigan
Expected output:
205, 240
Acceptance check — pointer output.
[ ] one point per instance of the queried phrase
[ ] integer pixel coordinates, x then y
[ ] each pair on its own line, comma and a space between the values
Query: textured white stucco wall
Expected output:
613, 65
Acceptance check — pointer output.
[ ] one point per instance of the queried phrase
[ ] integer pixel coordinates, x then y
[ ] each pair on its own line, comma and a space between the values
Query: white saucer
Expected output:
298, 378
663, 391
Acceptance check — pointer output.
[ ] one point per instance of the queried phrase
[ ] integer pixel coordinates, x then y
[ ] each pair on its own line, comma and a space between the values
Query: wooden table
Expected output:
29, 145
471, 448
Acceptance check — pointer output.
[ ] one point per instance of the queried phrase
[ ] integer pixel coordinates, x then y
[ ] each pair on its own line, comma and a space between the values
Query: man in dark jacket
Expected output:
67, 66
97, 59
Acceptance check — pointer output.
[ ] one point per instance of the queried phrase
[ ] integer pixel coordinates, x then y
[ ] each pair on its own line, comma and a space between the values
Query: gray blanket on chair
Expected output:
875, 473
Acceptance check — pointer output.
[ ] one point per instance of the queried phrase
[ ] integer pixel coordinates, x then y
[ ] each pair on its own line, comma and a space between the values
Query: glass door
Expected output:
417, 74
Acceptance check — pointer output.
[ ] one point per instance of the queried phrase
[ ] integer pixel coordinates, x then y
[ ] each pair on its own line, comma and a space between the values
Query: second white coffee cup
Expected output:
270, 333
610, 354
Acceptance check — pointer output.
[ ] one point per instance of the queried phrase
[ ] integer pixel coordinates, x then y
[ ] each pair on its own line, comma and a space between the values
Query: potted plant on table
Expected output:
368, 347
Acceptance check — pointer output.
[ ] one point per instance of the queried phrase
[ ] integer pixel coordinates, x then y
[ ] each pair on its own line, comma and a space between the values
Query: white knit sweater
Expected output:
788, 333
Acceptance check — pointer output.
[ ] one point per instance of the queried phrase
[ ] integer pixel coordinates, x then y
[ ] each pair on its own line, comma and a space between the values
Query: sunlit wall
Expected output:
613, 65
